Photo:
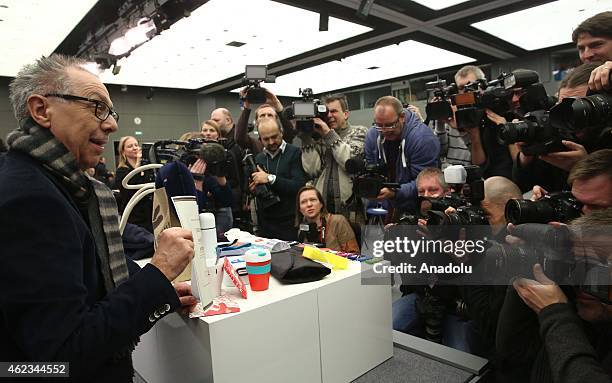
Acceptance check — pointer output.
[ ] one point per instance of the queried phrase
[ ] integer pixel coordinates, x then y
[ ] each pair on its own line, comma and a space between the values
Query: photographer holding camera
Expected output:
486, 150
324, 158
547, 333
279, 166
271, 108
591, 181
405, 145
550, 170
209, 171
456, 144
235, 175
406, 312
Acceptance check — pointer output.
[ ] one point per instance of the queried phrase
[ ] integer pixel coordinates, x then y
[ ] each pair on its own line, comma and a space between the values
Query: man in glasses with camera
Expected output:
401, 142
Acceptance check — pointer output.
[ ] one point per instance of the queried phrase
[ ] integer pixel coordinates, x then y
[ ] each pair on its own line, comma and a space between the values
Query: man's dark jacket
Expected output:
290, 177
53, 305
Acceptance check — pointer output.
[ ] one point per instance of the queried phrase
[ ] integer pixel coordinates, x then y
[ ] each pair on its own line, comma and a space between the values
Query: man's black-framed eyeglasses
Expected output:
388, 126
102, 109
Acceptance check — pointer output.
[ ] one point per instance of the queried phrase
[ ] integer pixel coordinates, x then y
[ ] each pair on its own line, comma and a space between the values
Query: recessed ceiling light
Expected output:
549, 24
3, 6
235, 44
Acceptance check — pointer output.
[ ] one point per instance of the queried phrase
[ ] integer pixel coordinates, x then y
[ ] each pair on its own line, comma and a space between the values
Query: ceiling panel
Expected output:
543, 26
193, 52
32, 28
388, 62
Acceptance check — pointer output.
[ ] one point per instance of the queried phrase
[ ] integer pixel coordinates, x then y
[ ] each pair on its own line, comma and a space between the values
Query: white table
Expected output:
332, 330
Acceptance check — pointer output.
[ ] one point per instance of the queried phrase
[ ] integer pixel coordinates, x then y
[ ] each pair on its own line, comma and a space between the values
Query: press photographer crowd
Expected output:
499, 160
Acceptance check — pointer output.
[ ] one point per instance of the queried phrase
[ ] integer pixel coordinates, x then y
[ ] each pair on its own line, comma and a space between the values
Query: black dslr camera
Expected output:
538, 133
590, 115
254, 75
305, 110
468, 186
559, 207
542, 131
265, 196
368, 179
552, 248
440, 109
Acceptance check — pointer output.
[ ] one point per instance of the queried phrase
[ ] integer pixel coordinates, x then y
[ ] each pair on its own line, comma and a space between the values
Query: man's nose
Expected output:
110, 125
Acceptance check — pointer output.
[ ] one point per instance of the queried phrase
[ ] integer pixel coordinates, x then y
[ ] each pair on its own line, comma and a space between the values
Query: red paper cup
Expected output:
258, 264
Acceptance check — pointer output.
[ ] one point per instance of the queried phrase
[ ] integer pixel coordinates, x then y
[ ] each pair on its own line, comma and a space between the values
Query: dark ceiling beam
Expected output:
410, 25
430, 27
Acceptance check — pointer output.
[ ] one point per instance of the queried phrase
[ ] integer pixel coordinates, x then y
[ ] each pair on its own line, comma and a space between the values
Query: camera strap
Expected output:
280, 157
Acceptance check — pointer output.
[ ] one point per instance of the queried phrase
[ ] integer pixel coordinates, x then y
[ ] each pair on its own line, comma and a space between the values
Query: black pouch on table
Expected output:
289, 266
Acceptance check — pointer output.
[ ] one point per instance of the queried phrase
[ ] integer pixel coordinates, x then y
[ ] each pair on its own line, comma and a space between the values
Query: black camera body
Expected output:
368, 179
559, 207
440, 109
468, 184
265, 196
552, 248
254, 75
537, 132
304, 110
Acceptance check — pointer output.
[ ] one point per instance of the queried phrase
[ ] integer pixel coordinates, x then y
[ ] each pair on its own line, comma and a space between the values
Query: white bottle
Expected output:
209, 237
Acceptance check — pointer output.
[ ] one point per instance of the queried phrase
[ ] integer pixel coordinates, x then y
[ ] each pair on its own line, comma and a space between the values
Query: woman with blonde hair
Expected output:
210, 130
130, 155
333, 230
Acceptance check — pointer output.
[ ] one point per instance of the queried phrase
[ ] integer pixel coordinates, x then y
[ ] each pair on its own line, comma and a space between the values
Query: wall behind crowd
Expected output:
168, 113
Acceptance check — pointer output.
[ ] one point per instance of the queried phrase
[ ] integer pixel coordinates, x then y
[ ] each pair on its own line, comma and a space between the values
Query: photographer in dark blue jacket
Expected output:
406, 145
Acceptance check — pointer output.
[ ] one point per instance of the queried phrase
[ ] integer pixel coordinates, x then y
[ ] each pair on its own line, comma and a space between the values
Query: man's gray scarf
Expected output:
41, 144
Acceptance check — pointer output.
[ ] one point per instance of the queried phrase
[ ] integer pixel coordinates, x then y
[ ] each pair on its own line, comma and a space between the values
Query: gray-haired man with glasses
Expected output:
67, 292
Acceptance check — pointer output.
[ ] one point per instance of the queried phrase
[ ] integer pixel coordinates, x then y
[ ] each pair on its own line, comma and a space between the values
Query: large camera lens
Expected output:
584, 112
524, 211
512, 132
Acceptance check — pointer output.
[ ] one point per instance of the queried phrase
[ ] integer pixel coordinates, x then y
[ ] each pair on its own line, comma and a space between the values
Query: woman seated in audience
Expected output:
130, 155
333, 230
214, 193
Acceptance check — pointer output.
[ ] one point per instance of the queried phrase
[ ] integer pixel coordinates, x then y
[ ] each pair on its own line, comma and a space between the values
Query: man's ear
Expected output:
37, 107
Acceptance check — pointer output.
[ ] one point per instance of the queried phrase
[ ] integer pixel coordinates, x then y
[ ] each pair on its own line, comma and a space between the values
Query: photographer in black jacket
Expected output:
280, 166
550, 170
570, 336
